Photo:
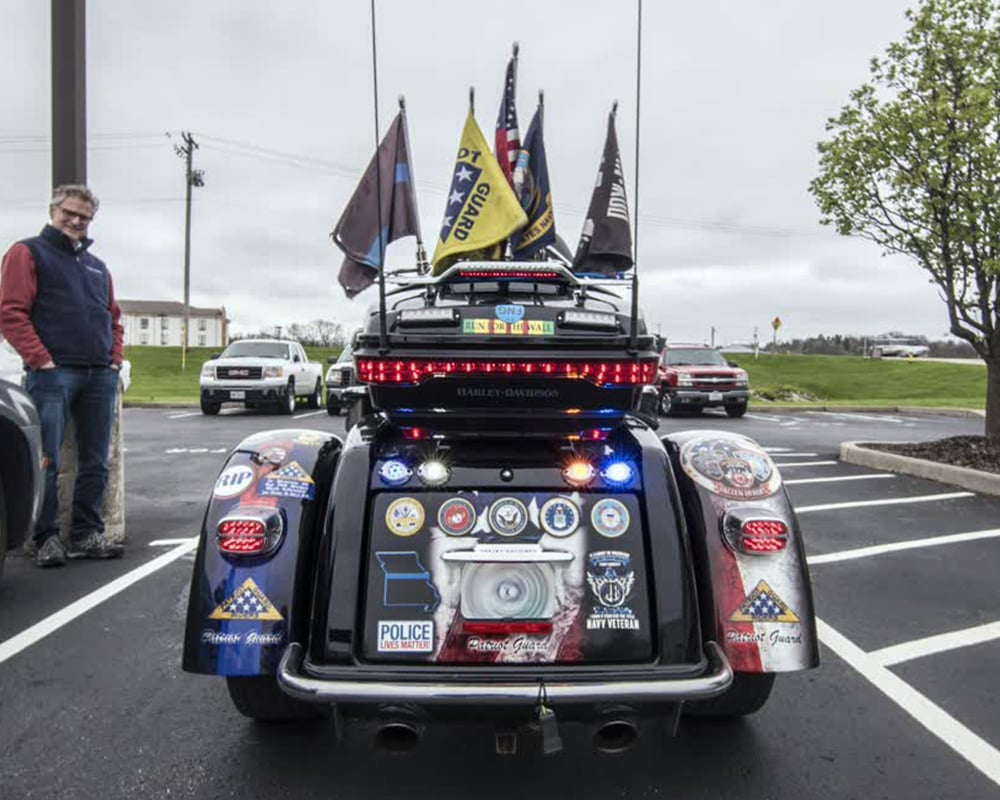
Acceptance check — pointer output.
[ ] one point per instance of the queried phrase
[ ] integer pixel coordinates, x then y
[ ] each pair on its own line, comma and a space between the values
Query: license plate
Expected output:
715, 397
237, 395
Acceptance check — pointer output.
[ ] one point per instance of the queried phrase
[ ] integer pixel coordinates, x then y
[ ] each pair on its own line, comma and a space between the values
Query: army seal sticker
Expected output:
457, 516
559, 516
508, 516
609, 517
735, 468
404, 516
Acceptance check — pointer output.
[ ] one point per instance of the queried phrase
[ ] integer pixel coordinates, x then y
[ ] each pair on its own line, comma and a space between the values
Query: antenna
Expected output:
383, 337
634, 322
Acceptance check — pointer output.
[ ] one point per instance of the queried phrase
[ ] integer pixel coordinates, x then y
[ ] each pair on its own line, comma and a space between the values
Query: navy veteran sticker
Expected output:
508, 516
404, 516
763, 605
559, 516
609, 517
735, 468
510, 313
611, 579
247, 603
457, 516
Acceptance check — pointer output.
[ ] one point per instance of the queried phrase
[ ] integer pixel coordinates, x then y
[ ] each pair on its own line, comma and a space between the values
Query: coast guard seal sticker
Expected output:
246, 603
404, 516
559, 516
457, 516
733, 467
609, 517
508, 516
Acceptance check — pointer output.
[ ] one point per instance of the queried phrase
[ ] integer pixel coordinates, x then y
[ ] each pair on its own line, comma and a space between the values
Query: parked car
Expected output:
696, 376
898, 345
257, 372
22, 480
12, 367
503, 536
342, 384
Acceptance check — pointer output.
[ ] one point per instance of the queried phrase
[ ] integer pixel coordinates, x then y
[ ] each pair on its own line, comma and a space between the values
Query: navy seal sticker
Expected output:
763, 605
247, 603
611, 580
559, 516
234, 481
457, 516
508, 516
289, 481
404, 516
609, 517
735, 468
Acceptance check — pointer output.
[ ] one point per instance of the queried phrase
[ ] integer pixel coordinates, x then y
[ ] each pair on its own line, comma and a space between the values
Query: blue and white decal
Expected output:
234, 481
413, 636
510, 313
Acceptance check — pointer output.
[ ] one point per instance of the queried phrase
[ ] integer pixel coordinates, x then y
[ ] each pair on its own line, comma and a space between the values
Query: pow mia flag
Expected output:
605, 246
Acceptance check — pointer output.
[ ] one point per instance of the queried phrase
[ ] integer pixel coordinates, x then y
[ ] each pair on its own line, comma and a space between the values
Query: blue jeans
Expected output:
89, 395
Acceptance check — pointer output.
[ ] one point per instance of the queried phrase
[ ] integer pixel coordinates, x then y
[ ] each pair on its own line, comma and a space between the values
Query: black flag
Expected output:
357, 231
605, 246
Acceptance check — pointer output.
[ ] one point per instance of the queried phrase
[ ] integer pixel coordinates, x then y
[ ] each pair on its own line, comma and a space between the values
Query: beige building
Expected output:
161, 323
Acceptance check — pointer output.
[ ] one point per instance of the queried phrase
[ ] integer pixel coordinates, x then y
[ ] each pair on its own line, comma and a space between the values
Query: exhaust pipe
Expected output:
397, 736
616, 735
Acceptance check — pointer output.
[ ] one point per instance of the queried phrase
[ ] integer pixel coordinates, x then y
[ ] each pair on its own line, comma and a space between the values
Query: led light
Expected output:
394, 472
208, 371
618, 473
763, 535
578, 473
507, 628
416, 434
418, 370
588, 319
273, 372
414, 317
434, 473
254, 532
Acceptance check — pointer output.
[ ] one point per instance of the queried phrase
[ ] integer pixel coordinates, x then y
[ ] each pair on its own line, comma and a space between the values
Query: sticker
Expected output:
289, 481
312, 438
611, 580
763, 605
609, 517
521, 644
405, 637
246, 603
496, 327
234, 481
457, 516
730, 467
407, 582
559, 516
508, 516
248, 638
404, 516
272, 455
510, 313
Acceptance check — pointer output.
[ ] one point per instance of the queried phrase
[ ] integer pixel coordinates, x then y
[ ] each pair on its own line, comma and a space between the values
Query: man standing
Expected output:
58, 310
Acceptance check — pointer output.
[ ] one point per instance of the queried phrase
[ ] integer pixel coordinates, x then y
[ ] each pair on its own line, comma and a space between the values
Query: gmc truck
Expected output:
696, 376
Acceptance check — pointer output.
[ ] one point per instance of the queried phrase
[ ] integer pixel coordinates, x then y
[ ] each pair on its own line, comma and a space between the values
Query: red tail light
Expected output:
253, 532
410, 371
506, 628
763, 535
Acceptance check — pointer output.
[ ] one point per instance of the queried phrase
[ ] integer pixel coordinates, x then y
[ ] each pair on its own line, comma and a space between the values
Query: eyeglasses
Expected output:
76, 214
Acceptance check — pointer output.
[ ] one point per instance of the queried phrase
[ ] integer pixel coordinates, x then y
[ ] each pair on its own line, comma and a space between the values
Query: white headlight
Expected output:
207, 371
273, 372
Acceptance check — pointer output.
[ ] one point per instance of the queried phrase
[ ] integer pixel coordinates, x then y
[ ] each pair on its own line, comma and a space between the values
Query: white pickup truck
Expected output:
258, 372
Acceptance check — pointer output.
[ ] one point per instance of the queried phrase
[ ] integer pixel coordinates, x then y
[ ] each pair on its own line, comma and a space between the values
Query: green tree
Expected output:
913, 164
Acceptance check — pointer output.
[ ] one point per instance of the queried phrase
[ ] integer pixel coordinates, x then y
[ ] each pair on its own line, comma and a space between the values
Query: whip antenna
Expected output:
634, 322
383, 338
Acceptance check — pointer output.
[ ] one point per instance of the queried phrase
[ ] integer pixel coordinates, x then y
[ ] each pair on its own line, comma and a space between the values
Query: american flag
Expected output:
508, 139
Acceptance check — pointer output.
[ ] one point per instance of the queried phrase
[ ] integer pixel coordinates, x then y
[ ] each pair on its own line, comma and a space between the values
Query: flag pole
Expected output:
422, 266
634, 322
383, 337
472, 99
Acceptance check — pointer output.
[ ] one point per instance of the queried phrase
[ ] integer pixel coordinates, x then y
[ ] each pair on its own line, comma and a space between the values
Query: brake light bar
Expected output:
413, 371
506, 628
509, 274
763, 535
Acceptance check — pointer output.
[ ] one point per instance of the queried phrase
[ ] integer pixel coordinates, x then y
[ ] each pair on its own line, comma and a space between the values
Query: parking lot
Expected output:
904, 572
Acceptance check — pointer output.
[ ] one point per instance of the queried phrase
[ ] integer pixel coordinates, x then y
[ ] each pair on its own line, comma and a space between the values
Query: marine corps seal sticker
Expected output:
508, 516
609, 517
404, 516
457, 516
763, 605
559, 516
247, 603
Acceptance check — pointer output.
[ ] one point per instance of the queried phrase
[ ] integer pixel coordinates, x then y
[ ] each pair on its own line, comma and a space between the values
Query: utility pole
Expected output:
192, 177
69, 92
713, 336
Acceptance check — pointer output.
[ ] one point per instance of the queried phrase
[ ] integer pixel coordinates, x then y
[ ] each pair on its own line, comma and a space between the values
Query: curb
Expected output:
917, 410
972, 479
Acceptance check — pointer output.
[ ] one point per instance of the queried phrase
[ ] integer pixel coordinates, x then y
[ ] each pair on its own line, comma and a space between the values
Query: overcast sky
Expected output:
735, 96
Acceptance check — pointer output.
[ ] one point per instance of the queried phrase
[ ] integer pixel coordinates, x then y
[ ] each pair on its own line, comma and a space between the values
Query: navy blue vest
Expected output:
70, 313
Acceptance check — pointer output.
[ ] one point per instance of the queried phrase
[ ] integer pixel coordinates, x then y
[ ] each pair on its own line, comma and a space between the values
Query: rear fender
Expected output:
244, 609
757, 606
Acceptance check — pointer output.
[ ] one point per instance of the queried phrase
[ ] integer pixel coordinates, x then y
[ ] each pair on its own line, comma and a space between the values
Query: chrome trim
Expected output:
717, 679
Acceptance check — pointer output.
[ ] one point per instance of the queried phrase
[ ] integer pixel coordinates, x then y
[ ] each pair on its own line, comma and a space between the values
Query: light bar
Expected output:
506, 628
418, 370
588, 319
510, 274
415, 317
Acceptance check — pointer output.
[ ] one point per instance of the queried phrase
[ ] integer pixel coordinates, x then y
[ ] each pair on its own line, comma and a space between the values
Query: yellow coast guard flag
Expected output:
482, 209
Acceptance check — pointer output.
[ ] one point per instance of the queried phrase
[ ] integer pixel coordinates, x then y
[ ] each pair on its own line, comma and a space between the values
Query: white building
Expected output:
161, 323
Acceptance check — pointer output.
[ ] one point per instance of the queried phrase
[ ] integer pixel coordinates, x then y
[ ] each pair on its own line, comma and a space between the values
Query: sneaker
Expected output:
50, 553
97, 545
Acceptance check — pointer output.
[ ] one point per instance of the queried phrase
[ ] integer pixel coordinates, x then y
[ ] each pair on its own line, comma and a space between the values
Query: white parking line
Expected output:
895, 547
808, 464
308, 414
925, 498
21, 641
765, 418
907, 651
795, 455
186, 414
172, 542
974, 749
800, 481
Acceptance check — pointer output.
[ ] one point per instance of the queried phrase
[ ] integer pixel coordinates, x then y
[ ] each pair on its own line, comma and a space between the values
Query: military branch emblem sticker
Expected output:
763, 605
404, 516
457, 516
559, 517
247, 603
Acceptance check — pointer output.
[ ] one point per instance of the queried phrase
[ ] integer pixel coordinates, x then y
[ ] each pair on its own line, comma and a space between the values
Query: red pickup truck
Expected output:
696, 376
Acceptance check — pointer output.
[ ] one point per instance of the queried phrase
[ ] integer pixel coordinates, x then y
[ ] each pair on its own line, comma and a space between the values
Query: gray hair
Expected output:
79, 190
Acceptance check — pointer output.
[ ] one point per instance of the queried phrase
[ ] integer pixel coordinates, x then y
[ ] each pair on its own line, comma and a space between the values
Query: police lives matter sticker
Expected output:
405, 637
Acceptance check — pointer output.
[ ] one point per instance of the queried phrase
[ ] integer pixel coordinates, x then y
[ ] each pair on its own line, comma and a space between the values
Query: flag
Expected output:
482, 210
507, 140
606, 240
357, 232
531, 177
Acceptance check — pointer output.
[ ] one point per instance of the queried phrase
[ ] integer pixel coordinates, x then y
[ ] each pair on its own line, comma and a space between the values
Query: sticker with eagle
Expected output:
730, 467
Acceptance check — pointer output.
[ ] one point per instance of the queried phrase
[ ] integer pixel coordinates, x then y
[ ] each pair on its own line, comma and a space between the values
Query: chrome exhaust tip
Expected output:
615, 736
397, 736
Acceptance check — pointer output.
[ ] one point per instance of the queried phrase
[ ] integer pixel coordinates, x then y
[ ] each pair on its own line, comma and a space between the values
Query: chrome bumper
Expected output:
717, 678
